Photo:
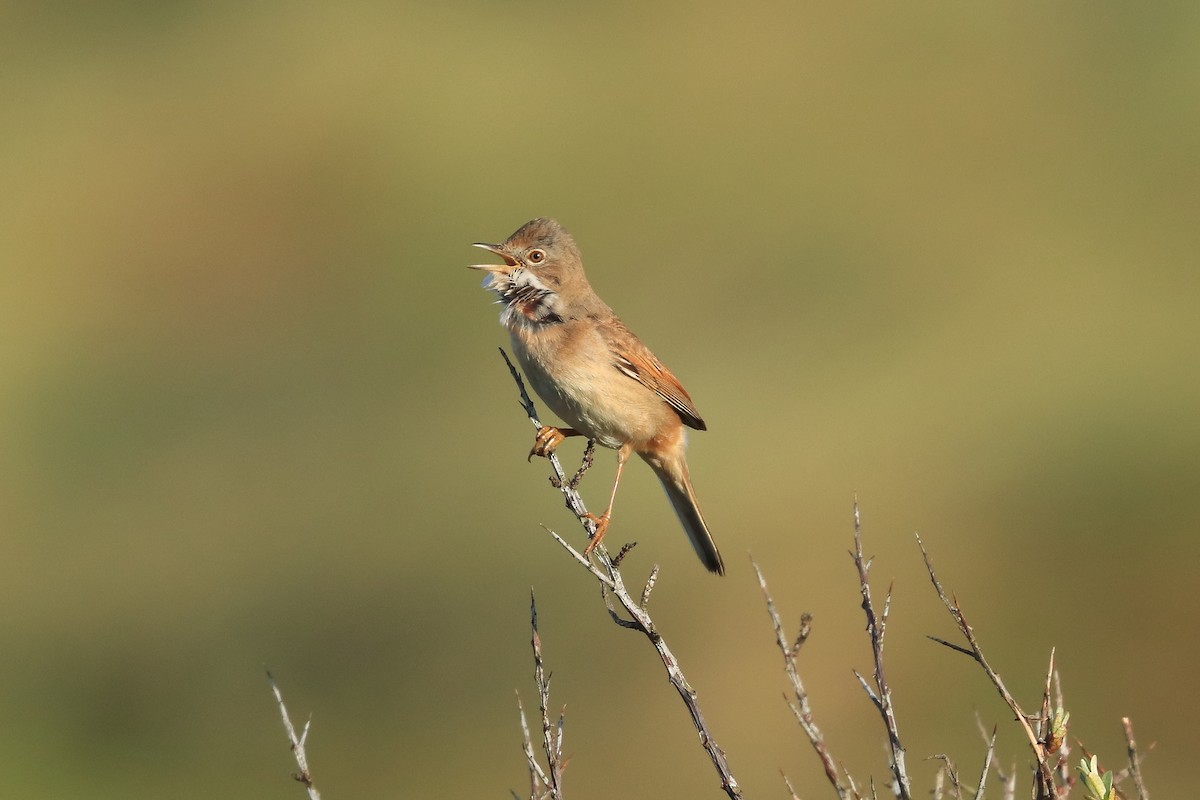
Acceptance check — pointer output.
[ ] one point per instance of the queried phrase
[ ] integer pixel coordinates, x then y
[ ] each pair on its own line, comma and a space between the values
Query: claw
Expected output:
546, 440
601, 528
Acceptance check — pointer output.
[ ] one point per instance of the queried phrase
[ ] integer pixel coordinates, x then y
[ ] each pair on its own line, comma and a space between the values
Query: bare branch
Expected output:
951, 773
1066, 776
589, 452
642, 621
296, 742
653, 579
952, 646
987, 765
882, 696
559, 478
551, 744
1135, 761
850, 780
1010, 783
867, 688
801, 707
612, 585
788, 784
1044, 788
538, 781
1007, 780
1043, 727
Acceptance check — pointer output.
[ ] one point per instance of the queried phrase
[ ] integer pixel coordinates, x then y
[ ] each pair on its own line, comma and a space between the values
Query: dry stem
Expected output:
612, 584
296, 742
543, 783
1135, 761
801, 708
1044, 784
882, 694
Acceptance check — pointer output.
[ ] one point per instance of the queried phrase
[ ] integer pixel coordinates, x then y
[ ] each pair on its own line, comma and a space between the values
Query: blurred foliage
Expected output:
251, 412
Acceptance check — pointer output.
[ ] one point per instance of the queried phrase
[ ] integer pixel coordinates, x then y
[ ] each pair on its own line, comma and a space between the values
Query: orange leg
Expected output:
547, 439
603, 520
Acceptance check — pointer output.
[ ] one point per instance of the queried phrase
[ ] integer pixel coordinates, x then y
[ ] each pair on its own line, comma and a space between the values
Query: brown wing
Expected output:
634, 359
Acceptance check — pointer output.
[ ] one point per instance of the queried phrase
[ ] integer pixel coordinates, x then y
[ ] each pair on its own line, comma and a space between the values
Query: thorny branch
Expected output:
612, 584
1044, 784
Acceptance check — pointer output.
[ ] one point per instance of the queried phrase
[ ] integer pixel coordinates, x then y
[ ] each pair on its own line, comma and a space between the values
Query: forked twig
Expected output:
1044, 784
612, 584
881, 696
543, 783
801, 708
951, 773
297, 742
538, 780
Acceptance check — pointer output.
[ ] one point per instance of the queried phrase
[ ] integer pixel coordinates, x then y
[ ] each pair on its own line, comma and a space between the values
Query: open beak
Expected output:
505, 268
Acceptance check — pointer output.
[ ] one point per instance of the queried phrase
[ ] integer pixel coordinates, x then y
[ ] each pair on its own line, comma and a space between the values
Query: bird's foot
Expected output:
545, 441
601, 528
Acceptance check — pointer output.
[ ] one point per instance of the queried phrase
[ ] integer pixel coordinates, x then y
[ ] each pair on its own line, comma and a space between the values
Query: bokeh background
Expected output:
252, 416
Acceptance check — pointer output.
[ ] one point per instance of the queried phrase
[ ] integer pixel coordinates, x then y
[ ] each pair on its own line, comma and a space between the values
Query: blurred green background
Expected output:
943, 256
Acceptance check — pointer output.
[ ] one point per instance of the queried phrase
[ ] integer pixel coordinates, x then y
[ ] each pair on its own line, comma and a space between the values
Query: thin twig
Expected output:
589, 453
788, 784
1044, 789
877, 629
850, 780
987, 765
800, 708
951, 773
538, 781
1010, 782
1007, 780
650, 582
612, 584
1054, 742
1044, 719
551, 745
559, 478
1135, 761
1066, 776
296, 742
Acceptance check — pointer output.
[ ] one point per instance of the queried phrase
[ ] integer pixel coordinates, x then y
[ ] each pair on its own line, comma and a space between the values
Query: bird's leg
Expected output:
603, 520
548, 438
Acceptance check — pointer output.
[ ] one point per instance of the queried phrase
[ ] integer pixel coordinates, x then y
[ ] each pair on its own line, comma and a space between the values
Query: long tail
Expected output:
678, 485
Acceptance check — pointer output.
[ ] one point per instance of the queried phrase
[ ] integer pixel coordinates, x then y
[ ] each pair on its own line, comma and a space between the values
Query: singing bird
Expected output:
593, 372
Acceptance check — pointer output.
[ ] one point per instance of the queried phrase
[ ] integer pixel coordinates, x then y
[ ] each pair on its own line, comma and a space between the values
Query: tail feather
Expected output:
678, 486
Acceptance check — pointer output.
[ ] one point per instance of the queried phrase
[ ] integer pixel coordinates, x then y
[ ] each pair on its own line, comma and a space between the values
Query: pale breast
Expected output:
572, 370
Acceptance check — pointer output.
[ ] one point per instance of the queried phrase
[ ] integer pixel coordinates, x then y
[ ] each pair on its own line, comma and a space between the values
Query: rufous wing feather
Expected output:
634, 359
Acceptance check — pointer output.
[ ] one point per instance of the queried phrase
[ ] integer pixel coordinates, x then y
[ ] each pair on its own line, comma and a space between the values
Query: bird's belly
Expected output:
592, 396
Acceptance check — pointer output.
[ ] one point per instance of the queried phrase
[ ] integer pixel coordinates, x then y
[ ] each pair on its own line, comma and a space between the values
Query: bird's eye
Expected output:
536, 256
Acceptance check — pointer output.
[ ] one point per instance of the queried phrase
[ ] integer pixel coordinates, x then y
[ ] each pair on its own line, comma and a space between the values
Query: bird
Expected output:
593, 372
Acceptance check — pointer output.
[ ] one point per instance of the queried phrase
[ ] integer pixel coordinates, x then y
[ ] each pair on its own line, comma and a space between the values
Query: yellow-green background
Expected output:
940, 255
